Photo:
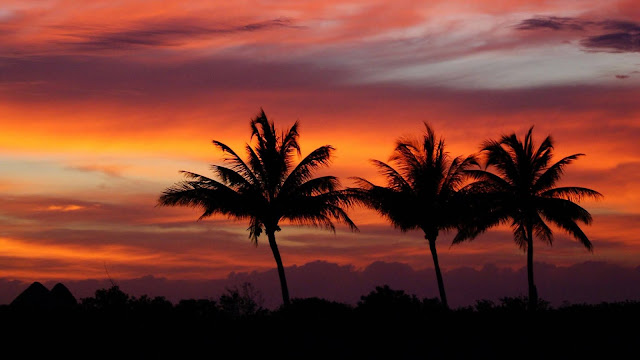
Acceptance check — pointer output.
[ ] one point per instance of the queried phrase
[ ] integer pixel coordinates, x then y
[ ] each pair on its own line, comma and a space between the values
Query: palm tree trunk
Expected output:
276, 254
434, 254
533, 292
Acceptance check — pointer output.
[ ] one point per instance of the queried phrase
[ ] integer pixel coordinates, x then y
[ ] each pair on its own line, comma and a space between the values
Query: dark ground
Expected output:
386, 324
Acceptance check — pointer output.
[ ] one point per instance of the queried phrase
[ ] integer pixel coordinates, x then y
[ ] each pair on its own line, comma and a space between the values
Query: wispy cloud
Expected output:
614, 42
109, 170
611, 35
553, 23
158, 33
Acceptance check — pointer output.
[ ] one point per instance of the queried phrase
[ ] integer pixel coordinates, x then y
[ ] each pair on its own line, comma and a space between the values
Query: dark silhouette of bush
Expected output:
241, 302
112, 300
316, 309
384, 301
203, 309
150, 307
522, 303
484, 305
387, 323
432, 305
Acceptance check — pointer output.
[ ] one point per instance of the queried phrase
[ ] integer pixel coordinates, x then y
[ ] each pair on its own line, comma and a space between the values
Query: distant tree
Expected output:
521, 303
111, 299
267, 188
386, 301
421, 191
484, 305
243, 301
519, 187
146, 305
199, 309
317, 309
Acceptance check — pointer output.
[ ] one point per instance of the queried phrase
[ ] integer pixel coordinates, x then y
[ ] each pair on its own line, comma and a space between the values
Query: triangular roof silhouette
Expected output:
35, 296
62, 297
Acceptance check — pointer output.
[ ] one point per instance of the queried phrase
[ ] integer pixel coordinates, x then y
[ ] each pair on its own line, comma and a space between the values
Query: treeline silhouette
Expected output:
385, 323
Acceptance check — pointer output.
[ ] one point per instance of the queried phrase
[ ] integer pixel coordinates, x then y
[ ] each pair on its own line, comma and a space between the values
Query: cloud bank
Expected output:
588, 282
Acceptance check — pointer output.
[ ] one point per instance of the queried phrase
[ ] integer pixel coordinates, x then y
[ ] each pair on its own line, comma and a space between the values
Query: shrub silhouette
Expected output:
387, 302
112, 299
242, 302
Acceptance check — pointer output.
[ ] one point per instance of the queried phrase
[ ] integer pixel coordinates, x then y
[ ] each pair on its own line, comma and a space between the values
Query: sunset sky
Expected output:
103, 102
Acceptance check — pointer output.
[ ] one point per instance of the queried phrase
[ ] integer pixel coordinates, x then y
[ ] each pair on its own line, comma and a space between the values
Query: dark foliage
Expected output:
384, 301
386, 323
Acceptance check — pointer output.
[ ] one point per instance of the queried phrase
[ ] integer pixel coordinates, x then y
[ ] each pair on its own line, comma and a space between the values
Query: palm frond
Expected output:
200, 180
319, 210
488, 179
572, 193
519, 234
290, 142
501, 160
542, 156
264, 131
407, 157
549, 177
211, 196
232, 178
237, 163
572, 228
562, 208
542, 231
304, 170
319, 185
362, 183
432, 148
258, 167
457, 172
256, 228
394, 178
482, 209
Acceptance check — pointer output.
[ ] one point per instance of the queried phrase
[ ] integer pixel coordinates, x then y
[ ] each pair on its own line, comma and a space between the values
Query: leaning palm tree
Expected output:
267, 188
521, 190
421, 191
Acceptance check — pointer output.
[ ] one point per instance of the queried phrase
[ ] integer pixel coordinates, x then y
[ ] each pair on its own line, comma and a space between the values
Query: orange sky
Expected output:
101, 103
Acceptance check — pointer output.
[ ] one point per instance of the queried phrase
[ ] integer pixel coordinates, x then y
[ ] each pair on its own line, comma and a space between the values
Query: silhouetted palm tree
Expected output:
522, 190
421, 191
267, 188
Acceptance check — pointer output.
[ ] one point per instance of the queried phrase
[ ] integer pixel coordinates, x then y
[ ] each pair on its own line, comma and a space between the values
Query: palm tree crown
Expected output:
421, 191
521, 189
267, 188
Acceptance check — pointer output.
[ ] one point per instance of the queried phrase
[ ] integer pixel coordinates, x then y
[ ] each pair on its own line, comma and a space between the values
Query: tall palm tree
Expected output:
421, 191
521, 190
267, 188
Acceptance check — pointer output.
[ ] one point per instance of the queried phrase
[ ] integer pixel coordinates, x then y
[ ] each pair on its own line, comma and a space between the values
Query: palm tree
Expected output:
522, 190
267, 188
421, 191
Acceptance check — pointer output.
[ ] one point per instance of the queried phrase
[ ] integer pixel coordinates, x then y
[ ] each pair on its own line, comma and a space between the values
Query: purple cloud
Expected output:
611, 35
171, 32
588, 282
553, 23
